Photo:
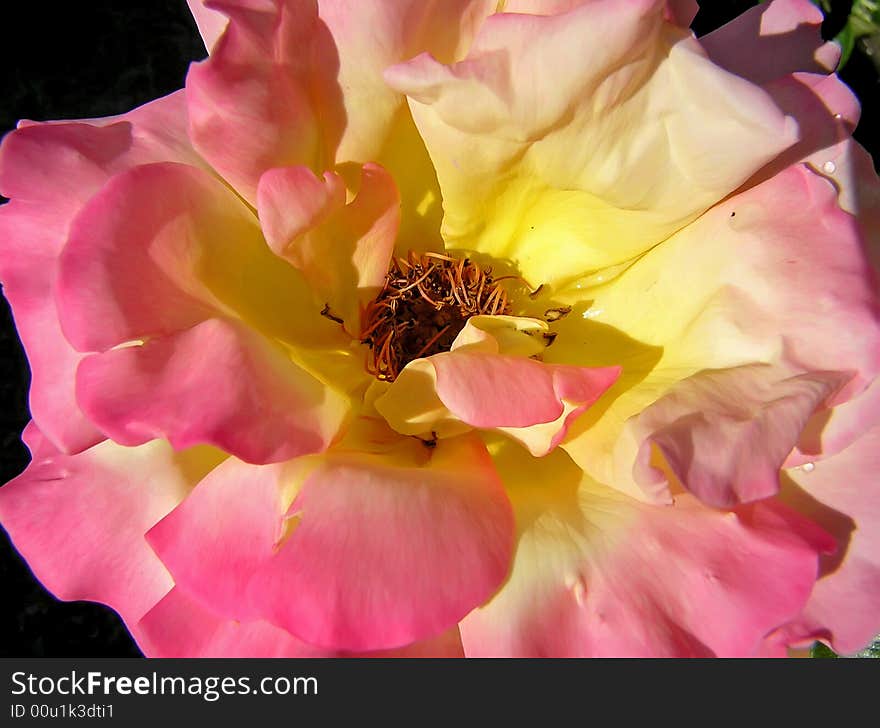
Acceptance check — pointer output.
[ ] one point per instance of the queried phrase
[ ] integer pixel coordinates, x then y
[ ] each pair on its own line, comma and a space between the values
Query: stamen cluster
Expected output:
422, 307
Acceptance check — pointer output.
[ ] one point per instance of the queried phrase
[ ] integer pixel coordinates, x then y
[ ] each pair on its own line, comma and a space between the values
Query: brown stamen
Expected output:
424, 304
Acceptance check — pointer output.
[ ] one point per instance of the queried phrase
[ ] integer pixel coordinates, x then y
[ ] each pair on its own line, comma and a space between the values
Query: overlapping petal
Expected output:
597, 163
165, 251
696, 241
80, 520
772, 40
598, 574
330, 529
179, 626
725, 434
50, 171
342, 249
251, 399
490, 380
840, 493
768, 276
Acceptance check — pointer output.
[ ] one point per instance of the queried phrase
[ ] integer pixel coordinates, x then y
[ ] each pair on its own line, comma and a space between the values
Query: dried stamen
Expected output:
423, 306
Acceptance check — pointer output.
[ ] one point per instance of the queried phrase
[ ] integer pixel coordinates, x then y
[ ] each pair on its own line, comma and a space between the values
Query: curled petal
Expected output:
518, 396
250, 399
211, 23
293, 200
776, 275
840, 493
337, 548
598, 162
725, 434
80, 520
599, 574
772, 40
850, 168
487, 382
342, 250
49, 171
370, 36
267, 96
165, 246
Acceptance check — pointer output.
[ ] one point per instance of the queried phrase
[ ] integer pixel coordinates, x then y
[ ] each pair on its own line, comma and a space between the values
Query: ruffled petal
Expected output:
267, 96
179, 626
165, 246
776, 274
725, 434
49, 171
532, 402
300, 83
329, 568
342, 250
599, 574
772, 40
370, 36
80, 520
600, 161
841, 494
217, 383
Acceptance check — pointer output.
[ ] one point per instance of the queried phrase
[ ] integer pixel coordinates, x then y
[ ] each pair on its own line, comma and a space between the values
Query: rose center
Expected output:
424, 304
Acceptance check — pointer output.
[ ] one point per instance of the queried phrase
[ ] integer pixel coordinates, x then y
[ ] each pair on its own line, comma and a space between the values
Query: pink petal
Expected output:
776, 274
342, 250
384, 551
211, 23
851, 169
725, 434
530, 401
498, 391
826, 110
80, 520
179, 626
165, 246
50, 171
267, 95
370, 36
841, 494
218, 383
293, 200
772, 40
681, 12
599, 574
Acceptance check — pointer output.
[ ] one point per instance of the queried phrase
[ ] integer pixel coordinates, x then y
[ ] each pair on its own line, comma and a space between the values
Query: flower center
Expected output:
424, 304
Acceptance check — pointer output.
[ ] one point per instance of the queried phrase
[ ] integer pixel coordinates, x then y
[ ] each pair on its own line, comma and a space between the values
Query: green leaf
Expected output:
864, 20
820, 650
846, 39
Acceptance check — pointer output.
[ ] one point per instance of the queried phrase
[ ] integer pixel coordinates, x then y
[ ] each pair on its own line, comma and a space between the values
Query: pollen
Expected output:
424, 304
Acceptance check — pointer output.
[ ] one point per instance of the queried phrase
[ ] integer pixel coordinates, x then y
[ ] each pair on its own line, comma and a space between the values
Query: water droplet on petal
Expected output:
837, 116
829, 167
808, 467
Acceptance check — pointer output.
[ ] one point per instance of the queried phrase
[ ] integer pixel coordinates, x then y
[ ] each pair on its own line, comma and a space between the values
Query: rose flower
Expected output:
524, 328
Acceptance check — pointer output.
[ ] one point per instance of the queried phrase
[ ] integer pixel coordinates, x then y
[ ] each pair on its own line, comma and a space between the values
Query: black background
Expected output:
65, 59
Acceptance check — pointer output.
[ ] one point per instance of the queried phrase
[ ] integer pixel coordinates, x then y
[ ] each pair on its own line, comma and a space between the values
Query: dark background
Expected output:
66, 59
